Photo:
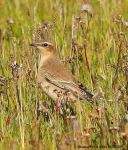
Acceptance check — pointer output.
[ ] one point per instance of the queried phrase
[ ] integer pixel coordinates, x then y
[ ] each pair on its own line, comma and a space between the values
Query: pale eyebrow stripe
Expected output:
49, 43
44, 43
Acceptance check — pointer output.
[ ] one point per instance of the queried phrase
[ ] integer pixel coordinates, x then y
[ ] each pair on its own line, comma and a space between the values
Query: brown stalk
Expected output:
118, 60
85, 54
16, 85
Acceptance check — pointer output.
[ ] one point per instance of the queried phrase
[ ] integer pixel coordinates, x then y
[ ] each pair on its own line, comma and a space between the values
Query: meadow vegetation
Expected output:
91, 40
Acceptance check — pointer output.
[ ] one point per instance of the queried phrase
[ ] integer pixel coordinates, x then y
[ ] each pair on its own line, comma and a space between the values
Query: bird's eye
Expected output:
45, 44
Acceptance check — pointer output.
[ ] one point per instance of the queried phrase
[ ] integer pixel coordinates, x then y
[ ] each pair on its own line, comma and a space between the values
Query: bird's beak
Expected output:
33, 45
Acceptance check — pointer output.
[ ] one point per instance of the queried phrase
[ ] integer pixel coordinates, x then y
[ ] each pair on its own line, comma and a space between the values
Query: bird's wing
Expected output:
65, 78
70, 86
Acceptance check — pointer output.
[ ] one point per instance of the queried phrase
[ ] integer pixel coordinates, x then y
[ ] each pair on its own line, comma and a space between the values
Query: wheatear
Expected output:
55, 80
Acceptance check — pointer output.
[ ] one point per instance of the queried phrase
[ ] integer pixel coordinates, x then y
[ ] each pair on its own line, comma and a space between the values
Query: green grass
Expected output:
93, 45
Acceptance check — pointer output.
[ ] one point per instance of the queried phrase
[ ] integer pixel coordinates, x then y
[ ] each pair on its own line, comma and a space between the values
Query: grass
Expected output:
91, 39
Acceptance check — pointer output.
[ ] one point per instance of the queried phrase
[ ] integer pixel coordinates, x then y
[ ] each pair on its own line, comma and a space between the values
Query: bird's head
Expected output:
45, 47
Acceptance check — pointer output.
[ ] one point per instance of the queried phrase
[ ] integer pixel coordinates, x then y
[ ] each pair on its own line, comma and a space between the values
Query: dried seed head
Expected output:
116, 20
110, 128
21, 65
71, 117
10, 21
123, 134
120, 17
126, 24
43, 109
47, 30
87, 8
81, 23
87, 134
60, 10
121, 33
86, 128
91, 115
68, 111
78, 18
14, 65
2, 78
55, 20
126, 117
1, 84
116, 128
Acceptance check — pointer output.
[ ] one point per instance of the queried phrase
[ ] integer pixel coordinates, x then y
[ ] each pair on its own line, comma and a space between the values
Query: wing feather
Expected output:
68, 86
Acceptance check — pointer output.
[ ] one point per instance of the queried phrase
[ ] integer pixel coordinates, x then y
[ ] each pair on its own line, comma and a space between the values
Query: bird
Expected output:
55, 79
